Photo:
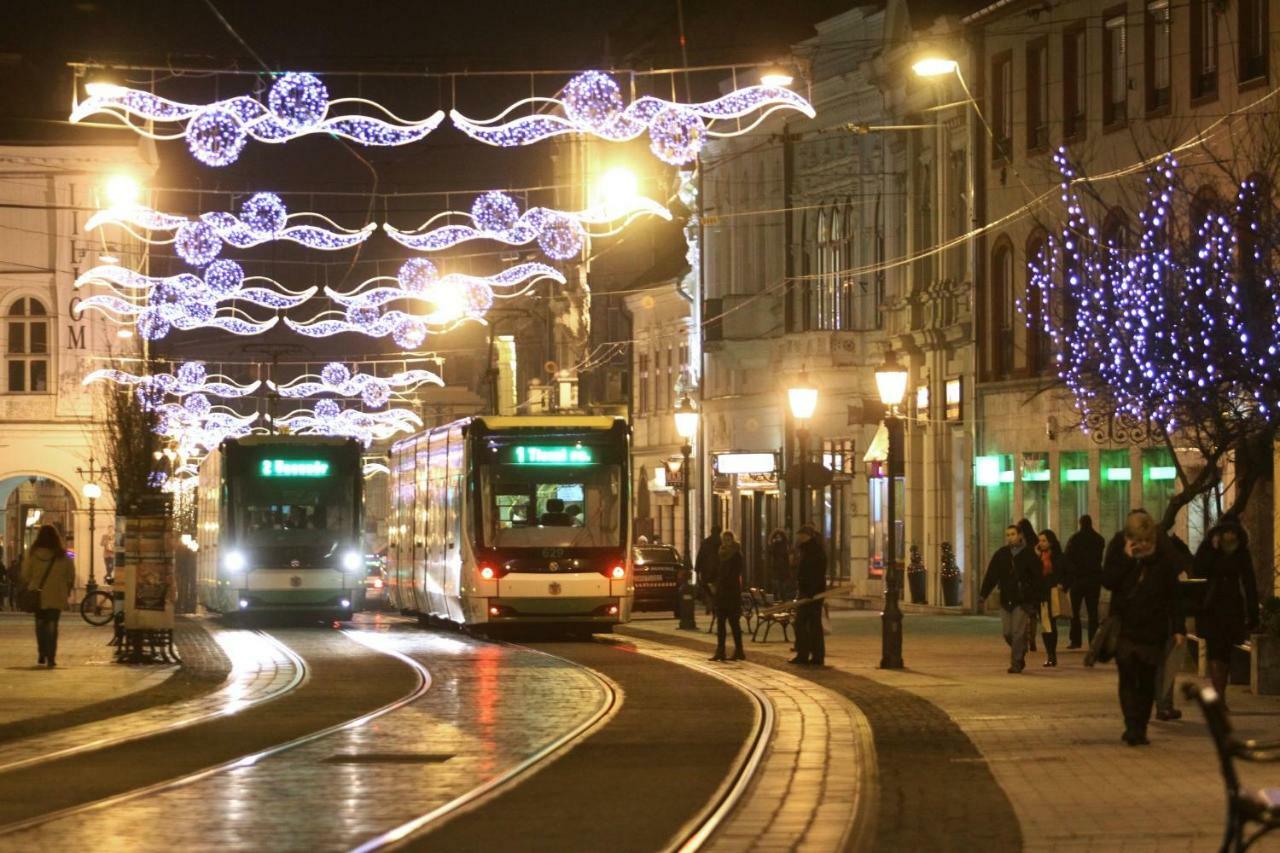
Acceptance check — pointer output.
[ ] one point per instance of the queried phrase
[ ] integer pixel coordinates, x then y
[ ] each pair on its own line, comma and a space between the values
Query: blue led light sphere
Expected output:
299, 100
151, 325
375, 395
409, 333
197, 243
362, 315
264, 214
192, 373
495, 212
676, 135
335, 373
327, 409
416, 274
224, 277
561, 237
592, 99
197, 404
215, 137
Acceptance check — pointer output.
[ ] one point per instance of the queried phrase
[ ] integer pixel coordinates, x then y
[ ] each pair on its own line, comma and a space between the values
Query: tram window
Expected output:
532, 507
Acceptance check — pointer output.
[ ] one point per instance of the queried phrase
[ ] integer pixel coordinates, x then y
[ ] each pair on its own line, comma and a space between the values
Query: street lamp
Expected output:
92, 491
803, 398
613, 194
687, 428
934, 66
891, 382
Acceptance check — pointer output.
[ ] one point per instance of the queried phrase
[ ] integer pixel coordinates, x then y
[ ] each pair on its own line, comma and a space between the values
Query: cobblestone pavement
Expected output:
1050, 738
817, 772
85, 661
261, 670
488, 707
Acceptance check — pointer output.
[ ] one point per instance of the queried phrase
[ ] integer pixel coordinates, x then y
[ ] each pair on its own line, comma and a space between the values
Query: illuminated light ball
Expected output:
593, 99
362, 315
375, 395
676, 135
197, 405
164, 382
495, 212
299, 101
192, 373
479, 299
152, 325
327, 409
215, 137
561, 237
417, 274
150, 397
224, 277
197, 243
197, 310
335, 373
157, 479
264, 214
409, 333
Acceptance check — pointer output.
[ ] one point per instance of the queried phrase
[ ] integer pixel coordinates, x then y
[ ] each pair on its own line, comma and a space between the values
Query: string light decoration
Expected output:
496, 216
1181, 328
336, 379
328, 418
263, 218
592, 103
298, 104
190, 378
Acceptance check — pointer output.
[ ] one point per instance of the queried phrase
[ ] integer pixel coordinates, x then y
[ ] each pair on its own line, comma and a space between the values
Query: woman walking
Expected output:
48, 568
1230, 606
1144, 595
728, 596
1054, 571
780, 572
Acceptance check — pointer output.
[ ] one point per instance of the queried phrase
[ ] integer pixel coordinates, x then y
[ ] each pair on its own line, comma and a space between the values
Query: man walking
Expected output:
707, 564
1014, 570
1084, 551
811, 580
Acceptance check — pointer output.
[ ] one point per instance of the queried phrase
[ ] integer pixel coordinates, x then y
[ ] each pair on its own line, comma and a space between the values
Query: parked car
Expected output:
657, 572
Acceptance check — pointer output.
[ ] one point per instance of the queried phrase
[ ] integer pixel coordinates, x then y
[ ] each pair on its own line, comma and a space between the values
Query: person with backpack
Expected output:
48, 575
1015, 570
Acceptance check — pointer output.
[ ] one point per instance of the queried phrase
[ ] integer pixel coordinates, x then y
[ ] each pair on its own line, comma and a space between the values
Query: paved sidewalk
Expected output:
1050, 737
86, 672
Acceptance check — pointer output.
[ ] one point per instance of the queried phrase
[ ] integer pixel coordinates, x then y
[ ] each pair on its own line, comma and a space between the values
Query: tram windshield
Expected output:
279, 512
550, 506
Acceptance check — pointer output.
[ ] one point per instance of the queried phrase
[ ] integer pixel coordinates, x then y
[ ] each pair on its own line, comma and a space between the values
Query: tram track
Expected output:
56, 745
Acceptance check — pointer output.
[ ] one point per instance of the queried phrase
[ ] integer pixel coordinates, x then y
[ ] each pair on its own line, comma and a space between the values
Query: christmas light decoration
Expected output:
328, 418
190, 378
592, 103
297, 104
496, 216
335, 379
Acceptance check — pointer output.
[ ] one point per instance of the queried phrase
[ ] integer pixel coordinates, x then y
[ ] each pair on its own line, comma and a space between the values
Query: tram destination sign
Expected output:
544, 454
293, 468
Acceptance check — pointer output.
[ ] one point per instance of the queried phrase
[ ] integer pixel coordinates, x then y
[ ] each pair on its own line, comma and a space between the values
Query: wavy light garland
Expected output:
189, 378
196, 425
328, 418
496, 216
337, 379
263, 218
592, 103
297, 104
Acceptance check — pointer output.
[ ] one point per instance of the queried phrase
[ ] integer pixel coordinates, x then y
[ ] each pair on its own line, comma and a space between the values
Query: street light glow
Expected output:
803, 398
775, 76
934, 66
891, 381
686, 419
615, 191
122, 191
91, 491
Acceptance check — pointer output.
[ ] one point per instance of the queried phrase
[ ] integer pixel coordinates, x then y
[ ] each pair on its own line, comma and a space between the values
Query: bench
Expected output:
769, 613
1240, 659
1244, 807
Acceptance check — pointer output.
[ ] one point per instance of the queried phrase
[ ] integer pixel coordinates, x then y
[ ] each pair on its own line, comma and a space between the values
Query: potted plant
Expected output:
1264, 662
916, 577
950, 577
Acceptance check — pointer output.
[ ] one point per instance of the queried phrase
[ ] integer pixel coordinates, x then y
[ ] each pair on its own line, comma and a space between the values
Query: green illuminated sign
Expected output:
1035, 476
1118, 474
294, 468
544, 455
1077, 475
1162, 472
986, 470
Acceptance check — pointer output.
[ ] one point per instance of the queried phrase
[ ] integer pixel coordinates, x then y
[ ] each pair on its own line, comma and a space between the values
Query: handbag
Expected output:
29, 600
1103, 645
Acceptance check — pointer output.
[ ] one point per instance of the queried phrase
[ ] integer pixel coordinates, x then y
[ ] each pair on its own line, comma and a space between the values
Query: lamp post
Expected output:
803, 398
891, 382
687, 428
91, 491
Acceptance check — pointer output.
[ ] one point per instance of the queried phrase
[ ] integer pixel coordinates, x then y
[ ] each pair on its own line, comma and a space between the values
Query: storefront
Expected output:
748, 502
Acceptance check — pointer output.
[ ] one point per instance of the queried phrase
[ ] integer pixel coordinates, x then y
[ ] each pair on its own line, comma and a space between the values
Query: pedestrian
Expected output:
642, 541
727, 594
781, 576
1054, 570
49, 569
705, 564
14, 575
811, 581
1230, 608
1014, 570
1084, 556
1144, 596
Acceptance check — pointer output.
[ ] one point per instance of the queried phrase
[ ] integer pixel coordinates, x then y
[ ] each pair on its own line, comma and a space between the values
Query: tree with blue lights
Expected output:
1172, 322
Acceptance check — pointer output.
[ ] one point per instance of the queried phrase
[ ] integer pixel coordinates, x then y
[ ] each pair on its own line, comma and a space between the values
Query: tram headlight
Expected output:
351, 561
234, 561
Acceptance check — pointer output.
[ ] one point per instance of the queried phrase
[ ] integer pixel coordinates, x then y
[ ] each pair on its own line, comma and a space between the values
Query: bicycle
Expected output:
98, 606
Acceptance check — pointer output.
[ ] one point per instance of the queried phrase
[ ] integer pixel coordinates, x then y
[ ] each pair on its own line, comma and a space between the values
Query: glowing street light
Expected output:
687, 427
615, 191
776, 75
891, 382
803, 398
934, 66
122, 191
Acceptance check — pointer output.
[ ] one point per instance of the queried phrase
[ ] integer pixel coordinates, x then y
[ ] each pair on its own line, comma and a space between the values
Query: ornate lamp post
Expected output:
891, 382
687, 428
803, 398
92, 491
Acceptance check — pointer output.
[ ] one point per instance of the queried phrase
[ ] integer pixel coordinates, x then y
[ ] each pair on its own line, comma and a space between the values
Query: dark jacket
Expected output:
1165, 550
708, 558
779, 560
1230, 604
1017, 575
811, 569
1084, 550
728, 582
1058, 575
1144, 593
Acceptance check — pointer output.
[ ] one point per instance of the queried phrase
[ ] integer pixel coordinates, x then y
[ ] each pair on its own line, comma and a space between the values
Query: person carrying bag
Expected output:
47, 560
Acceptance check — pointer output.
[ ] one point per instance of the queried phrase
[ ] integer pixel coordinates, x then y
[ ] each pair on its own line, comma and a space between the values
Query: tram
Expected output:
280, 524
513, 521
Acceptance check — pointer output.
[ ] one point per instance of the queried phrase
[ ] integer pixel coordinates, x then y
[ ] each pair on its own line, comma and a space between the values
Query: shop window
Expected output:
27, 348
1035, 489
1074, 123
1115, 71
993, 477
1157, 57
1113, 492
1204, 48
1073, 490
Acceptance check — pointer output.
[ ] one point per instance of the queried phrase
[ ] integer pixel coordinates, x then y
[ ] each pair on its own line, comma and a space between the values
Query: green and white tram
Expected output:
513, 520
280, 526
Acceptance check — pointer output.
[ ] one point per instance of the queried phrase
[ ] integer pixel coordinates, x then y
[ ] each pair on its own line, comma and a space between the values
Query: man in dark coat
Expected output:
811, 580
1084, 551
707, 563
1016, 571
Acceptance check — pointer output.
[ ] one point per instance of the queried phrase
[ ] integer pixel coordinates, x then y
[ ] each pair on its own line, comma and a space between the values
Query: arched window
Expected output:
835, 247
822, 303
1039, 342
1000, 311
27, 350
